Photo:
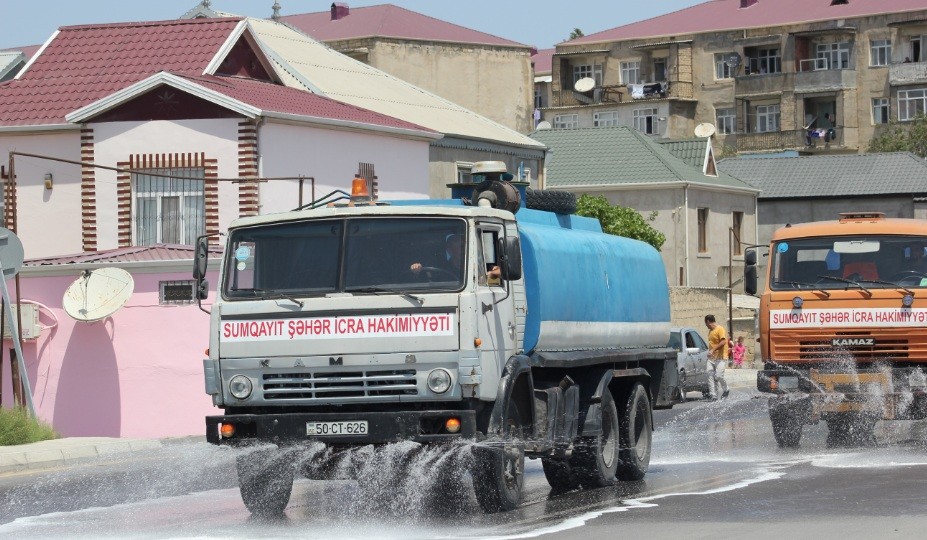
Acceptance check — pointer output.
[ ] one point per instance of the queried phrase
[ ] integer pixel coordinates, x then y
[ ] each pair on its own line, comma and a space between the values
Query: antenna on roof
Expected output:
704, 130
205, 3
276, 8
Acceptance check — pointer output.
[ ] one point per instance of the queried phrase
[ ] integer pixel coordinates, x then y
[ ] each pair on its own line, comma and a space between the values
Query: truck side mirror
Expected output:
200, 258
750, 277
510, 248
202, 289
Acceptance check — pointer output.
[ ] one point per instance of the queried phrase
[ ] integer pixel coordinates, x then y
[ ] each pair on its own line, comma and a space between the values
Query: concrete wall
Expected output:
496, 82
137, 373
49, 220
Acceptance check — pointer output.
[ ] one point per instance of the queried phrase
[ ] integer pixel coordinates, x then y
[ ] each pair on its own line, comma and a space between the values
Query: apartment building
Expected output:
818, 76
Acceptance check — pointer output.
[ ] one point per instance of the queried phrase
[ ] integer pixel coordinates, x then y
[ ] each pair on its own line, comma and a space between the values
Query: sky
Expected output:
540, 23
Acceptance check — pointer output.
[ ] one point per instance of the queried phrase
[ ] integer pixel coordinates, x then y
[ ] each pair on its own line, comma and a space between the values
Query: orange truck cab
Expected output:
843, 325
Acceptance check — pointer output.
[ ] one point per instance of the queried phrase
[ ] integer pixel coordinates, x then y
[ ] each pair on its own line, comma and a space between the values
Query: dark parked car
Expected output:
692, 359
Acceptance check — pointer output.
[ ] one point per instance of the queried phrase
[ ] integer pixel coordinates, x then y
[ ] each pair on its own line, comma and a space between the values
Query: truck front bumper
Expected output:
890, 394
382, 427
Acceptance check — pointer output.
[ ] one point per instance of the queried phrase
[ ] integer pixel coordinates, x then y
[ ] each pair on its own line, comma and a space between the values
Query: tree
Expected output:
907, 137
620, 221
576, 33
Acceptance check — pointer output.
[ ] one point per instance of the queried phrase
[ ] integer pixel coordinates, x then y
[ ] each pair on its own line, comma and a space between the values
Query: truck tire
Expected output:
498, 471
635, 435
786, 426
560, 475
851, 429
265, 479
559, 202
595, 460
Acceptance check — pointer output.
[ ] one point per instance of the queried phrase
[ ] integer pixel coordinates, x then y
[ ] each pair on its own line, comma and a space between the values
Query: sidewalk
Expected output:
67, 451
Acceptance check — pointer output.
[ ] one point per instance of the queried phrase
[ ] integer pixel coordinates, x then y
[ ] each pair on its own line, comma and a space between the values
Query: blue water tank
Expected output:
589, 290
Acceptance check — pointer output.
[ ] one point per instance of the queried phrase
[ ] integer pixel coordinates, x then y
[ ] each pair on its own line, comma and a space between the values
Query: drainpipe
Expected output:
686, 235
260, 156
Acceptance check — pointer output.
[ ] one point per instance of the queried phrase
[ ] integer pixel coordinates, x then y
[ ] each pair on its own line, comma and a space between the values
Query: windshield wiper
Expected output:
274, 296
850, 281
893, 284
800, 284
381, 291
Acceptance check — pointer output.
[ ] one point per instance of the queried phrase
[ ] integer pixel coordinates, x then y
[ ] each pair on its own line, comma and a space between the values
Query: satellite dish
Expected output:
584, 85
544, 124
97, 294
732, 60
704, 130
11, 253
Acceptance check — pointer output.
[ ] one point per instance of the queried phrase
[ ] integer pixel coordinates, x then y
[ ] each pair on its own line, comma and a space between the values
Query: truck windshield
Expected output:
869, 262
367, 255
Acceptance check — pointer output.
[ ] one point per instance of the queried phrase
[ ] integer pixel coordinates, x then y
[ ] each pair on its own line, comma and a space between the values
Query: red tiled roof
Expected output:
543, 61
717, 15
387, 20
85, 63
276, 98
155, 252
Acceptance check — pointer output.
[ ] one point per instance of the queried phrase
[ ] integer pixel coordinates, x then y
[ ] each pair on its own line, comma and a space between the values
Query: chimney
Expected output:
340, 10
747, 3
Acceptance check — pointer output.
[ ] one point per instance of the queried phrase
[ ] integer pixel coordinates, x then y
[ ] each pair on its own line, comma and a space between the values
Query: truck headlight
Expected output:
439, 381
240, 386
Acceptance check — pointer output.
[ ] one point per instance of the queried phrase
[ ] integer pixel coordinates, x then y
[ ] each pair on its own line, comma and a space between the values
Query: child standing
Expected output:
739, 350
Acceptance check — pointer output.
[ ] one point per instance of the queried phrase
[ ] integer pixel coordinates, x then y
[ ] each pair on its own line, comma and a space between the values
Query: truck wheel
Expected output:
848, 429
265, 479
549, 200
498, 471
560, 475
635, 430
595, 460
786, 426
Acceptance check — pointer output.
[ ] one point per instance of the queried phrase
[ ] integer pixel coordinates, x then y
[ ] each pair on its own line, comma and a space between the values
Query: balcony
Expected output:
907, 73
761, 83
671, 90
794, 139
821, 74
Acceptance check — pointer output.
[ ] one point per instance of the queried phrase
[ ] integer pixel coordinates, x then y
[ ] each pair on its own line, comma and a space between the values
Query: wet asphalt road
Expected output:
715, 472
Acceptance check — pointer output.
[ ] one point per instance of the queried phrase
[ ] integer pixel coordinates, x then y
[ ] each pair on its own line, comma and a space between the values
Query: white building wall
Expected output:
116, 141
331, 157
49, 220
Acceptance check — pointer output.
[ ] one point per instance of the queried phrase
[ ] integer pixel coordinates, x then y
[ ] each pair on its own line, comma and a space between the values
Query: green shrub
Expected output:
17, 427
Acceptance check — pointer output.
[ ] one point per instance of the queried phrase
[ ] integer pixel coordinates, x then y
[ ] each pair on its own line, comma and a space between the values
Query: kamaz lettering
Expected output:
853, 342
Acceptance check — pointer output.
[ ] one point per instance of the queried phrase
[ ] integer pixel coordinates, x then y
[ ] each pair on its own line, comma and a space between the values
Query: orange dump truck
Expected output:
843, 325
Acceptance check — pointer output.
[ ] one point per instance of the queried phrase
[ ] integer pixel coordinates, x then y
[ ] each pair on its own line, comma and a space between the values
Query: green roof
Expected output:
615, 156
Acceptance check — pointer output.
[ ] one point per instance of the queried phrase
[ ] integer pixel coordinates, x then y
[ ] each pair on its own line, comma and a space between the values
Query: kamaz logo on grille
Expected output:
853, 342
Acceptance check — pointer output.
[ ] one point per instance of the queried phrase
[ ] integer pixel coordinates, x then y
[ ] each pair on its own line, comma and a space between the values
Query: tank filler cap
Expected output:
488, 167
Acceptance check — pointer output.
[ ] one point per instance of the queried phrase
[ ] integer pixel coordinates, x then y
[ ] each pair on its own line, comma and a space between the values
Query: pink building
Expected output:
137, 373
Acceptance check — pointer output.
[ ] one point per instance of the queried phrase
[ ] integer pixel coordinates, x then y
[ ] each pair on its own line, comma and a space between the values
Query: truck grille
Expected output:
342, 384
819, 346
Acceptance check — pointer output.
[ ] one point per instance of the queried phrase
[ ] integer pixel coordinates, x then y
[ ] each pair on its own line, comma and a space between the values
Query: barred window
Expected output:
177, 292
169, 205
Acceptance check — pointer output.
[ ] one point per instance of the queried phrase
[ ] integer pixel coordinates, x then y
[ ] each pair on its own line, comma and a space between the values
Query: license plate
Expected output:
349, 427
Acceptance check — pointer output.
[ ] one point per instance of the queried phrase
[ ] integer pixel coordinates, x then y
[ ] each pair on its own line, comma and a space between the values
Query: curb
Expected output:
58, 452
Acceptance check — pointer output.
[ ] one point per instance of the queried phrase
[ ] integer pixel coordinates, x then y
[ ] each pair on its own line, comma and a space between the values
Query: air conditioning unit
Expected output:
30, 321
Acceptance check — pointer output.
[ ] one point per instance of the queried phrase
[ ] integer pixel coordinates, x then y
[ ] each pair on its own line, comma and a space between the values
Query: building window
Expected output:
737, 224
177, 292
605, 119
566, 121
631, 72
588, 70
645, 121
767, 118
911, 103
538, 97
880, 52
722, 68
726, 120
917, 51
880, 111
834, 55
169, 205
703, 230
763, 60
464, 172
